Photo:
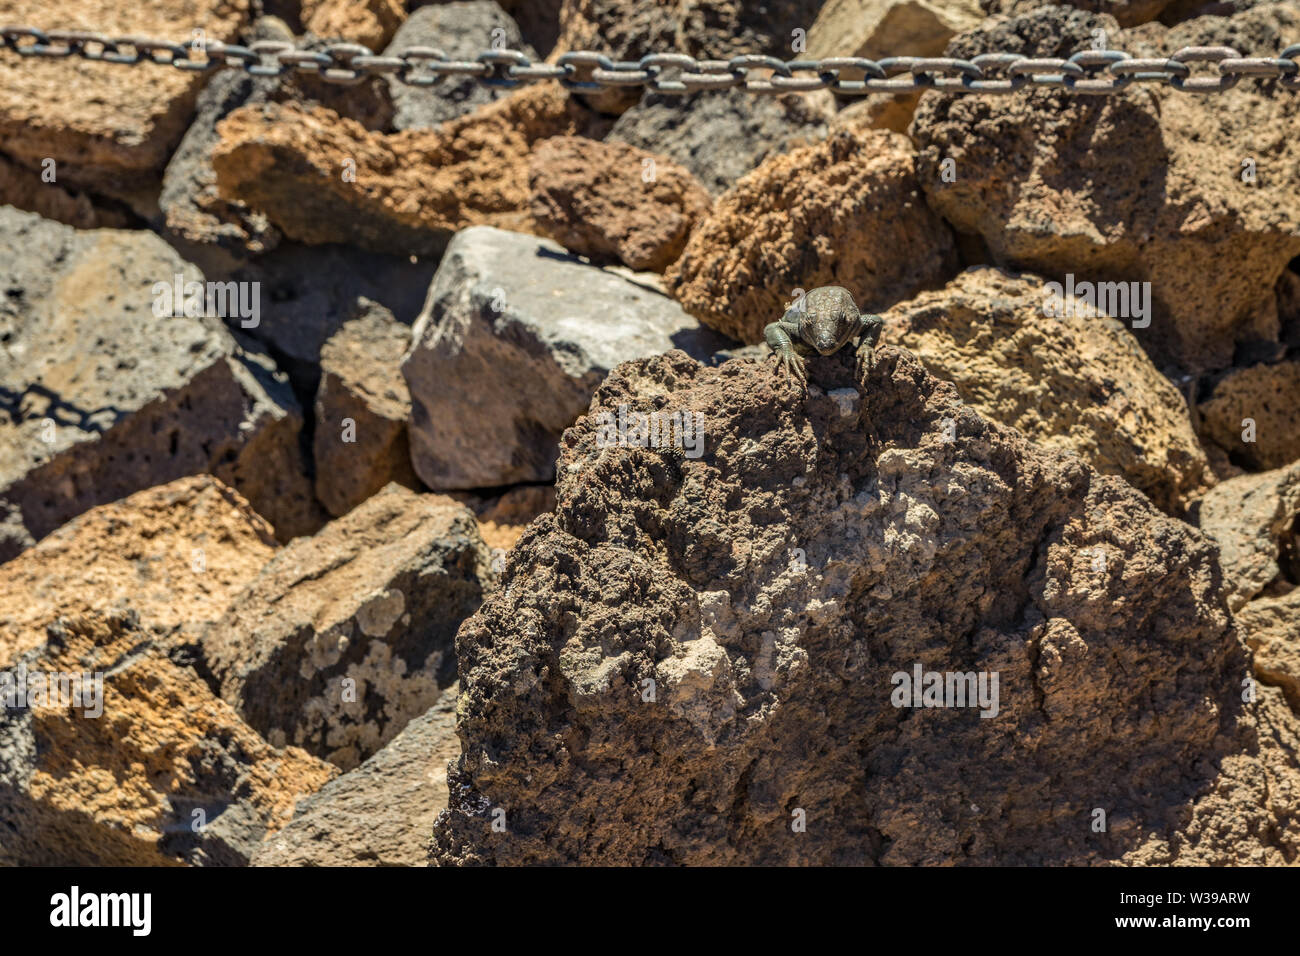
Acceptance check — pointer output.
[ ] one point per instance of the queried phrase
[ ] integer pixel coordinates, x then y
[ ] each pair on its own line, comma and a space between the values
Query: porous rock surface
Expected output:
1076, 383
1136, 187
847, 211
381, 813
614, 202
411, 190
100, 398
175, 555
515, 335
165, 774
1267, 396
371, 23
190, 208
690, 661
105, 128
1128, 13
345, 636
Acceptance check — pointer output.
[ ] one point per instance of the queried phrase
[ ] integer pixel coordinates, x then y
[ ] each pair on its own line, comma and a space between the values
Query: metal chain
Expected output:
1090, 71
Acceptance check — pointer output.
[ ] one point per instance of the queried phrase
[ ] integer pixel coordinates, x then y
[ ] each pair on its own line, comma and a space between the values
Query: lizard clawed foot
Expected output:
793, 366
866, 360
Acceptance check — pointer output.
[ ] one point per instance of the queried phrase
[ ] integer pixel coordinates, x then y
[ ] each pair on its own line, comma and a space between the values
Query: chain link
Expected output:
1095, 72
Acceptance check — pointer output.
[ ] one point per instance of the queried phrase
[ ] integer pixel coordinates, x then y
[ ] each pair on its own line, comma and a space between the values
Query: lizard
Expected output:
822, 321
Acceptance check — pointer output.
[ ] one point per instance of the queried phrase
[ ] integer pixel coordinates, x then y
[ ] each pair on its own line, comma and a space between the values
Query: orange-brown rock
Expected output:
1195, 195
1253, 414
611, 201
176, 555
847, 211
148, 768
1075, 383
106, 126
412, 190
371, 23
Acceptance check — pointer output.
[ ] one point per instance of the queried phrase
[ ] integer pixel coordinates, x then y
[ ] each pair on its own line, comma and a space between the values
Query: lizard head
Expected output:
830, 318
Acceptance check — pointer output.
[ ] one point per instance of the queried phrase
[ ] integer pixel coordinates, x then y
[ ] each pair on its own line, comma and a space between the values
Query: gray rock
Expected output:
193, 212
362, 408
381, 813
462, 31
99, 397
515, 336
346, 636
720, 136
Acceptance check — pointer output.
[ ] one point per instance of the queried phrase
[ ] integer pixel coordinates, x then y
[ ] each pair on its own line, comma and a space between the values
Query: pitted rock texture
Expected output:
1080, 384
101, 397
381, 813
371, 23
614, 203
462, 31
106, 129
127, 787
1253, 414
176, 555
880, 28
403, 193
847, 211
1136, 187
720, 135
1128, 13
692, 655
345, 636
514, 337
711, 29
362, 409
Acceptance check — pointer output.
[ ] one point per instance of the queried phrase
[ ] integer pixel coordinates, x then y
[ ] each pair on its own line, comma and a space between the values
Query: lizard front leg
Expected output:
778, 336
869, 331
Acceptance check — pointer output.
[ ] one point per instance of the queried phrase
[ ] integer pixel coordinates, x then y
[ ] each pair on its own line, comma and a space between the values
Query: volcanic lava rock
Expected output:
706, 660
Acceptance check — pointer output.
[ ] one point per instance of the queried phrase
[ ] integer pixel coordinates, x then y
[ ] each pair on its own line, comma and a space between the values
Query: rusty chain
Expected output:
1089, 71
